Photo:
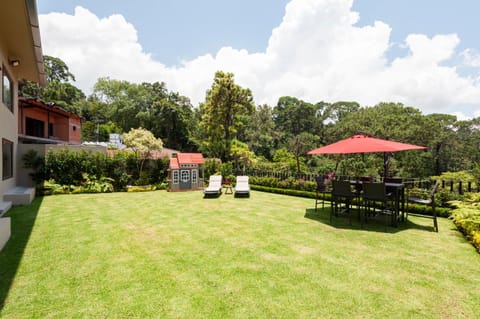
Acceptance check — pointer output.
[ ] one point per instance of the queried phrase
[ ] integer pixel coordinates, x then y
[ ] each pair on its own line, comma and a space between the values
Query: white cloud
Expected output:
316, 53
471, 58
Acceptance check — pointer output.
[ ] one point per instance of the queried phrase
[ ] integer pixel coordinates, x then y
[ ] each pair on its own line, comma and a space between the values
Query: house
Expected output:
46, 123
186, 172
21, 57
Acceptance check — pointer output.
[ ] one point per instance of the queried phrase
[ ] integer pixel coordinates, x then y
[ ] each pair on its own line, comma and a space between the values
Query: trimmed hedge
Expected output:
284, 191
92, 172
466, 216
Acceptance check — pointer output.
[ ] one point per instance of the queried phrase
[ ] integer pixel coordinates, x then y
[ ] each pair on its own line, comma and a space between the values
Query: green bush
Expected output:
90, 184
289, 183
93, 172
285, 191
143, 188
466, 217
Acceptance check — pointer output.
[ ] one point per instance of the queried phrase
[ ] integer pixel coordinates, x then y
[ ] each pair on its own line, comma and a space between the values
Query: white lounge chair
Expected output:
242, 187
214, 185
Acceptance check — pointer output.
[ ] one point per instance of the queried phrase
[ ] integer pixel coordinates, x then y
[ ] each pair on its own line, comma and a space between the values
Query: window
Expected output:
7, 90
194, 176
35, 127
7, 159
175, 177
185, 176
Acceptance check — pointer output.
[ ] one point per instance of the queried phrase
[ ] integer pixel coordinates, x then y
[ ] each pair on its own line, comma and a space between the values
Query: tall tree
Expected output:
340, 109
170, 116
224, 106
293, 116
260, 133
59, 88
301, 144
241, 154
442, 141
124, 100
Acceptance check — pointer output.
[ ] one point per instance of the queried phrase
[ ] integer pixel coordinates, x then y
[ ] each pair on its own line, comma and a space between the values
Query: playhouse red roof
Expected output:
186, 158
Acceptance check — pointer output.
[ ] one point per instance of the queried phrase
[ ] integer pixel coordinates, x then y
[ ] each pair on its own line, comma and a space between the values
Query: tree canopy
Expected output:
228, 125
225, 104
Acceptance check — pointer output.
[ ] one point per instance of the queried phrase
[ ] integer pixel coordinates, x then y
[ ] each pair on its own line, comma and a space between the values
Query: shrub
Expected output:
92, 185
144, 188
94, 172
289, 183
466, 217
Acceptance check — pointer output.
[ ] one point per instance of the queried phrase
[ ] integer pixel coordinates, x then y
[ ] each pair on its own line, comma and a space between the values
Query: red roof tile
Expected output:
174, 164
190, 158
186, 158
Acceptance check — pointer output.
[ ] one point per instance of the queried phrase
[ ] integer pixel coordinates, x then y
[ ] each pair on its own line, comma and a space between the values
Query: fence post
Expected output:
460, 188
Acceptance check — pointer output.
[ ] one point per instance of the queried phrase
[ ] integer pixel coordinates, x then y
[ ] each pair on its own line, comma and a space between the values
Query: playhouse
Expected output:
185, 172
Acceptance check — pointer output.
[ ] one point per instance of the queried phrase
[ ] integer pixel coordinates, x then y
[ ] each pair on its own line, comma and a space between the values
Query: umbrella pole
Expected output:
385, 164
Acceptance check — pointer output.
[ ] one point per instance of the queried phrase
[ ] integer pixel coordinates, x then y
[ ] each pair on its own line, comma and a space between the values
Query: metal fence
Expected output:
454, 186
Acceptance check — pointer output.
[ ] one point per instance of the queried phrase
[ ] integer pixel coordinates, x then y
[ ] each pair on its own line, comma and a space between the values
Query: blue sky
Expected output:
424, 54
184, 29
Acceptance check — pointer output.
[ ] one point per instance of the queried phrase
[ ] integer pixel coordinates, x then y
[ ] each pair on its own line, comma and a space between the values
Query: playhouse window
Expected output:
175, 177
185, 176
194, 176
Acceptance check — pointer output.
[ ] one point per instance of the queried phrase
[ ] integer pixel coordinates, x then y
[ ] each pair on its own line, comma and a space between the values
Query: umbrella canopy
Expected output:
364, 144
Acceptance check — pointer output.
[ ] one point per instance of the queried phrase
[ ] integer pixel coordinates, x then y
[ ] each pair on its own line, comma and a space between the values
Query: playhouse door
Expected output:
185, 182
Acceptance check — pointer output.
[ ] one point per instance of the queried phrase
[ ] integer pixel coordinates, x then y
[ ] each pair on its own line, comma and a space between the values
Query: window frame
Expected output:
185, 176
8, 104
8, 161
175, 176
194, 176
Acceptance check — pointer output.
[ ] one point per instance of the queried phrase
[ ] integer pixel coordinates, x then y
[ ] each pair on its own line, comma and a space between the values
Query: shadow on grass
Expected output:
22, 222
210, 196
377, 225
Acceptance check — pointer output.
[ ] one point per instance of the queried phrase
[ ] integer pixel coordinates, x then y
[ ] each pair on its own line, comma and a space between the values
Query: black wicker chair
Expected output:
377, 200
321, 191
428, 201
342, 194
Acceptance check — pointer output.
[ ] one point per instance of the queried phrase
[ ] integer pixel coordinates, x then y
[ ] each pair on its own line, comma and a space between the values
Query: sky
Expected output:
424, 54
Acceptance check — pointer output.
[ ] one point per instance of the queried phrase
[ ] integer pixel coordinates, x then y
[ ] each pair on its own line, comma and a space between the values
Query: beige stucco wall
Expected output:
8, 121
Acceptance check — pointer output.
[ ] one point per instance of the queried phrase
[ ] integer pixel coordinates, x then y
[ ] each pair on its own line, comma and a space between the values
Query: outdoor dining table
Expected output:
399, 195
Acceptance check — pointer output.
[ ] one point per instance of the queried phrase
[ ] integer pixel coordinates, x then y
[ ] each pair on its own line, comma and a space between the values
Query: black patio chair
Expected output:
376, 200
342, 194
321, 191
416, 198
394, 180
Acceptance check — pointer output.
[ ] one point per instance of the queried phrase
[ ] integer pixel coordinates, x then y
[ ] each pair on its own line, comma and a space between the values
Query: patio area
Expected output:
171, 255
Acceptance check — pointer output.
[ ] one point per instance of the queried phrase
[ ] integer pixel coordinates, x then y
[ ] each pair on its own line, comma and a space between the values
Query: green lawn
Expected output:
177, 255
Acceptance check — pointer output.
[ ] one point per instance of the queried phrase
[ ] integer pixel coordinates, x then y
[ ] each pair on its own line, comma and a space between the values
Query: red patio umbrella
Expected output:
363, 143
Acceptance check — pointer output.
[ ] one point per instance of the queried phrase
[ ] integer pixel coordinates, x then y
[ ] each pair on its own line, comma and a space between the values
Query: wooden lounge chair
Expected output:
242, 187
214, 186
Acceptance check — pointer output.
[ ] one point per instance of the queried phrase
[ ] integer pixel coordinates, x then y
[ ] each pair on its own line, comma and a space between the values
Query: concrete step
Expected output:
20, 195
4, 207
4, 231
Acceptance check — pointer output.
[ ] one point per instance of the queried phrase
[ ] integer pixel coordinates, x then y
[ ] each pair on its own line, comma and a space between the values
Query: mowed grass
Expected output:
177, 255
